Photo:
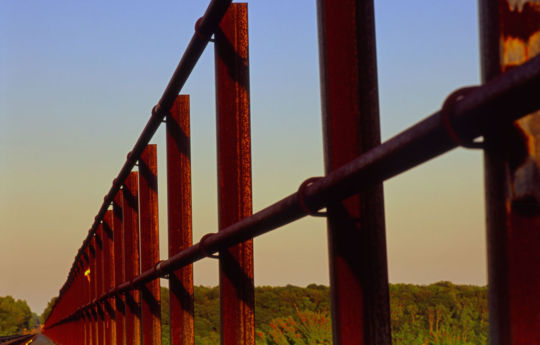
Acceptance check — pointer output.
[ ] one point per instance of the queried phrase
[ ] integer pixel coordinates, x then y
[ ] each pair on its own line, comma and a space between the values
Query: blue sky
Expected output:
78, 80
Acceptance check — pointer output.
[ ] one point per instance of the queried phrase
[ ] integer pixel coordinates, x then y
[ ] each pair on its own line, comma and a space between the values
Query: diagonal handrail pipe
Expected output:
486, 109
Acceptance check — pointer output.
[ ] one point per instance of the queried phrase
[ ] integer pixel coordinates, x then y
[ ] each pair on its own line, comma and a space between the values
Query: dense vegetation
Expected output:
47, 310
441, 313
15, 316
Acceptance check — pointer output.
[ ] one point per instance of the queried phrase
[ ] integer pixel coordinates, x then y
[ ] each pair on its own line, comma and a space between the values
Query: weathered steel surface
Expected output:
130, 217
180, 227
109, 278
119, 267
93, 289
356, 229
510, 35
87, 317
234, 173
148, 212
100, 283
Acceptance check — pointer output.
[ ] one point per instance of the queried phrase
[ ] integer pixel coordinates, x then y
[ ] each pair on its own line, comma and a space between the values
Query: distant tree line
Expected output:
438, 314
16, 316
47, 310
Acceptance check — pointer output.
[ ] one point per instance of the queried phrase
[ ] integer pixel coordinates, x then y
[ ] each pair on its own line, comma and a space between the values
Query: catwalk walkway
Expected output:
42, 340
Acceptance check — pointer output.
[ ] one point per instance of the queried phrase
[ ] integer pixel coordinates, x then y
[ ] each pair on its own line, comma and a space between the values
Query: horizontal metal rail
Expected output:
16, 339
482, 110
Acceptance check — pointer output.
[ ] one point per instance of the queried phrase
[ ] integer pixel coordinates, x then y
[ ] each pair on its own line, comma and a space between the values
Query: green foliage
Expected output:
306, 328
436, 314
47, 310
440, 313
34, 321
15, 316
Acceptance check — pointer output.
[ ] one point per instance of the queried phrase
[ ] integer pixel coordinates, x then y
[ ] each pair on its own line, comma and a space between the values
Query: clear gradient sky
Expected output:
78, 80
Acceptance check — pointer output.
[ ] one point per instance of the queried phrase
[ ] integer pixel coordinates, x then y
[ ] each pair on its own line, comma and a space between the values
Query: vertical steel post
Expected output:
234, 173
356, 228
100, 283
93, 288
74, 302
510, 35
108, 267
119, 269
179, 215
148, 208
130, 208
86, 298
81, 321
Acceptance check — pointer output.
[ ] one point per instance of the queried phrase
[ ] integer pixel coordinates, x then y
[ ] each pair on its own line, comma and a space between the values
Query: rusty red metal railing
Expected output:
112, 295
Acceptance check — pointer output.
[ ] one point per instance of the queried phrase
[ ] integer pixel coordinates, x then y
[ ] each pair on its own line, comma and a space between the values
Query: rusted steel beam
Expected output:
485, 109
80, 291
100, 283
234, 174
119, 269
149, 232
109, 277
84, 293
87, 298
181, 304
510, 35
93, 290
130, 218
73, 300
356, 228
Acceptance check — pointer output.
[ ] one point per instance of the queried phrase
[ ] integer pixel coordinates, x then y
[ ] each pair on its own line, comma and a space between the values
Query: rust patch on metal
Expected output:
181, 303
519, 32
234, 174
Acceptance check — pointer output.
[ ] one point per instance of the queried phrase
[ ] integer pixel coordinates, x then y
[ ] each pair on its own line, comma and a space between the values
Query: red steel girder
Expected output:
130, 208
181, 302
149, 232
109, 277
89, 319
100, 283
510, 35
119, 269
93, 289
356, 228
234, 174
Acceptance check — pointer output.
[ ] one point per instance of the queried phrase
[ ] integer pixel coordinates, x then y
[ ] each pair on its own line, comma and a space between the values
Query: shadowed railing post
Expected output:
81, 292
234, 174
356, 229
149, 232
77, 333
100, 283
89, 293
86, 298
93, 289
108, 270
510, 32
179, 214
130, 210
119, 267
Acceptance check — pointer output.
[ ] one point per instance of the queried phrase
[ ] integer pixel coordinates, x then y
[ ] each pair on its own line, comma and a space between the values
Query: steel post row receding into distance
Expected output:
112, 292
